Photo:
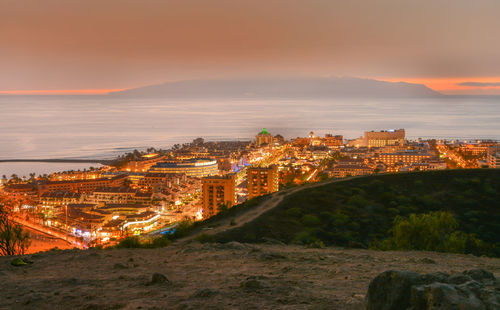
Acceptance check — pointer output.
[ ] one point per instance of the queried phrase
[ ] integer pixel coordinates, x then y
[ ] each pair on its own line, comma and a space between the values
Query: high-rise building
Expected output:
493, 157
261, 181
264, 137
383, 138
218, 191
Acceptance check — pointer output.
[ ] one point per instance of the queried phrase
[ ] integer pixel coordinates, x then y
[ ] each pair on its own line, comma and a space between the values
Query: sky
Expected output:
93, 46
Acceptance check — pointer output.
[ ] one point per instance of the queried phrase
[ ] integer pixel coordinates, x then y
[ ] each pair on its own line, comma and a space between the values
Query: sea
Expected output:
101, 127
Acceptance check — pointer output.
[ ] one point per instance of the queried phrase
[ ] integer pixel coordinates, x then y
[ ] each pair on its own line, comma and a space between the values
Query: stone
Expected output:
205, 293
480, 275
427, 260
458, 279
390, 290
159, 278
271, 256
254, 283
403, 290
233, 245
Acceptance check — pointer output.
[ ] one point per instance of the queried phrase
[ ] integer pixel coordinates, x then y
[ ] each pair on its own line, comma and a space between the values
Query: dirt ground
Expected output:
211, 276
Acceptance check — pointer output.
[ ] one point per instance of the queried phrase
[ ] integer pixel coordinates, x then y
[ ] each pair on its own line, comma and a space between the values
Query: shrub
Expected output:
160, 242
310, 220
435, 231
294, 212
129, 242
205, 238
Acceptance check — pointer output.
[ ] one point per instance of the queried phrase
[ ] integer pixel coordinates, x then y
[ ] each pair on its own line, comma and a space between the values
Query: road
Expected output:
68, 238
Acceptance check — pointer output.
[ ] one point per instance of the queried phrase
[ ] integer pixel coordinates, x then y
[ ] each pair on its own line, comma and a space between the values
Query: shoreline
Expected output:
57, 160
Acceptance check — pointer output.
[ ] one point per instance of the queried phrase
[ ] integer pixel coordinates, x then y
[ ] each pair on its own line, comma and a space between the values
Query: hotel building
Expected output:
345, 170
261, 181
383, 138
146, 162
217, 191
81, 186
403, 157
196, 167
264, 137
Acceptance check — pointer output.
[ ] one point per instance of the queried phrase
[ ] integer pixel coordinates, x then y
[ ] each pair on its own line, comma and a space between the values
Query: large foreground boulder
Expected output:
403, 290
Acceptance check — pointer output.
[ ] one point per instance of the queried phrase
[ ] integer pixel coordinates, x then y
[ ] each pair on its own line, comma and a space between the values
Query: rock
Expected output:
402, 290
434, 277
443, 296
254, 283
458, 279
158, 278
271, 256
119, 266
480, 275
427, 260
205, 293
233, 245
391, 290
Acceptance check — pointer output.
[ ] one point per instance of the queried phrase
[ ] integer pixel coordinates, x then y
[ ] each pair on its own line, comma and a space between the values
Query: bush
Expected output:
310, 220
435, 231
205, 238
129, 243
160, 242
294, 212
182, 229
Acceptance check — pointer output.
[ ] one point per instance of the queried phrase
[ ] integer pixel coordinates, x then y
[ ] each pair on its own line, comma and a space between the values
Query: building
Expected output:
493, 158
80, 186
351, 169
403, 157
383, 138
263, 138
331, 141
217, 191
261, 181
61, 198
118, 195
133, 177
152, 180
143, 164
195, 167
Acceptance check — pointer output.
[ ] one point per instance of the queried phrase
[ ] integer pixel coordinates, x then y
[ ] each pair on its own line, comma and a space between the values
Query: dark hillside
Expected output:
360, 212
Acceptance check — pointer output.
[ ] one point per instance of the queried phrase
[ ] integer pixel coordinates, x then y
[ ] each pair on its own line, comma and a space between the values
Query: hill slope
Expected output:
361, 211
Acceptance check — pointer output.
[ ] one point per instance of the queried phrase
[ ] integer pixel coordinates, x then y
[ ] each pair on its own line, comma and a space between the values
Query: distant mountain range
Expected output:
330, 87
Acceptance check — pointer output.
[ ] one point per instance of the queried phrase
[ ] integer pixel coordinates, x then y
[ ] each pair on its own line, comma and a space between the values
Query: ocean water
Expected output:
100, 127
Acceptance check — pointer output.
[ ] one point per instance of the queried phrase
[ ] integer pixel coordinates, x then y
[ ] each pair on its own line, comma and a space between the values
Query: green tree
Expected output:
435, 231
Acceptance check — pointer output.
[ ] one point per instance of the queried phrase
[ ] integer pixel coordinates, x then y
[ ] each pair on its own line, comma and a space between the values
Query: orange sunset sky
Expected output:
92, 47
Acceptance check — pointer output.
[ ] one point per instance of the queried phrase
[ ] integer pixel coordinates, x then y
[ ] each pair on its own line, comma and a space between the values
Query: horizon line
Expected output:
445, 86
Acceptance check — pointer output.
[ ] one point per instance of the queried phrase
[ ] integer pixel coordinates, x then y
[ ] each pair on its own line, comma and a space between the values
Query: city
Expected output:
147, 193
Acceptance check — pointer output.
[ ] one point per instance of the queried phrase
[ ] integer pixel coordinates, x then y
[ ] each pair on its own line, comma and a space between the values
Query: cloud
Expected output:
480, 84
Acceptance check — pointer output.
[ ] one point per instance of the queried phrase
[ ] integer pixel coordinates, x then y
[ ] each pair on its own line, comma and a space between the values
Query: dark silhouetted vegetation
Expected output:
135, 242
14, 240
